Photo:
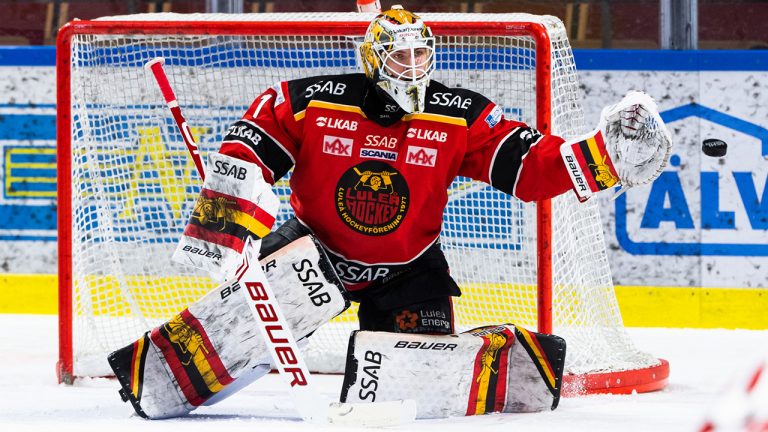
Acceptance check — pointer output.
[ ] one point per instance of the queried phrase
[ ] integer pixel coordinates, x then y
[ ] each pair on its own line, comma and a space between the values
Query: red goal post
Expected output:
125, 189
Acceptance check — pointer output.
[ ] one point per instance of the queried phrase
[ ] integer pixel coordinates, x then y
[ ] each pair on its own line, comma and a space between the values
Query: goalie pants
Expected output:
415, 299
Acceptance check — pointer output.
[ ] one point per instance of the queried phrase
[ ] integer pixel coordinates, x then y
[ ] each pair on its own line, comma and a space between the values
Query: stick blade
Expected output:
379, 414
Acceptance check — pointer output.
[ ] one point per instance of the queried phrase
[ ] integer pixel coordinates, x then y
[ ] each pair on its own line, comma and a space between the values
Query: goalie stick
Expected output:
272, 324
156, 67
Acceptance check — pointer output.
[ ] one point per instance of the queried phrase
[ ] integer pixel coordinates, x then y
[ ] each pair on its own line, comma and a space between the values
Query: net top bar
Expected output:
548, 29
547, 20
554, 26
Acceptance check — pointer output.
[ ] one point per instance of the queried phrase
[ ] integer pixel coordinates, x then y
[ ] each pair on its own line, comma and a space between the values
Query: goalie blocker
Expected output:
502, 368
214, 347
235, 204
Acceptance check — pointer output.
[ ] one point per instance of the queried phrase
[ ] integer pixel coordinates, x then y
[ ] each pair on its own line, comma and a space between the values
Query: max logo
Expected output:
421, 156
337, 146
718, 210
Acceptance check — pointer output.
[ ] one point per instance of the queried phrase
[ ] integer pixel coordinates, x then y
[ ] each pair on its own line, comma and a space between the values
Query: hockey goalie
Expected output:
372, 156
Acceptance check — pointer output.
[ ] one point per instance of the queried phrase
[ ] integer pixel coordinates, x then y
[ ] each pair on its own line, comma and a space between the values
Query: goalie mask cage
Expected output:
127, 186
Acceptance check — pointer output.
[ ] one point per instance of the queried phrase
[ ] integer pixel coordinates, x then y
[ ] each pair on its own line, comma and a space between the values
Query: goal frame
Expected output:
613, 382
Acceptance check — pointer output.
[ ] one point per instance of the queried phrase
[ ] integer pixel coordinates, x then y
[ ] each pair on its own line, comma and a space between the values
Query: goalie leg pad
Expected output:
190, 359
491, 369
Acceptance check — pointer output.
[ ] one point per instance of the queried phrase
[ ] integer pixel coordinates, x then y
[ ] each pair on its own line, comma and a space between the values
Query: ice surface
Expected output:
703, 363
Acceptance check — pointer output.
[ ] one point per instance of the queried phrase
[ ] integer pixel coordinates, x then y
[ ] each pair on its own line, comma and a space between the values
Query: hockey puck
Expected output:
714, 147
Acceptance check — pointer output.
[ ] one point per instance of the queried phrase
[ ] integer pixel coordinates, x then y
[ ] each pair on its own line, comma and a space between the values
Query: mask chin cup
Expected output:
409, 95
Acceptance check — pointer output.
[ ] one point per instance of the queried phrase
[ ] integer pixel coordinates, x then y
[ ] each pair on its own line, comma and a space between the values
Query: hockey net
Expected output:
127, 186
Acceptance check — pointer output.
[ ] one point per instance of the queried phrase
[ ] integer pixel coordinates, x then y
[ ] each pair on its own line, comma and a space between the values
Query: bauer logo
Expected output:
263, 303
416, 345
337, 146
701, 205
202, 252
421, 156
575, 172
227, 290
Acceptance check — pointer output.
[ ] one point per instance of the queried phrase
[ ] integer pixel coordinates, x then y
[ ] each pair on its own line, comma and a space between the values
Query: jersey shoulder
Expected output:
344, 89
455, 102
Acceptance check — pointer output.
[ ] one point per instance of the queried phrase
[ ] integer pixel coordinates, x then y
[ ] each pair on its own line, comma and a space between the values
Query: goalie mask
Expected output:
398, 55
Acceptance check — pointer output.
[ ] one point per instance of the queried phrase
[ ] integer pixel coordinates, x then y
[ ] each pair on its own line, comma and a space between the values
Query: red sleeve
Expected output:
268, 134
514, 158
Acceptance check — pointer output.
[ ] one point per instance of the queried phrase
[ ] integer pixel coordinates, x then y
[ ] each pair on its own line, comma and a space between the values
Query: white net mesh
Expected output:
133, 185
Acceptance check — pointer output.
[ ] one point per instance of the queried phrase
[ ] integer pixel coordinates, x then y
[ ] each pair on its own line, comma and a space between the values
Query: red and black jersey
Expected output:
369, 180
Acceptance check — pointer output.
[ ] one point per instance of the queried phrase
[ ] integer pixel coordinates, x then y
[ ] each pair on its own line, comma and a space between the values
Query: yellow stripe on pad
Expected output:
539, 356
137, 366
596, 156
250, 223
